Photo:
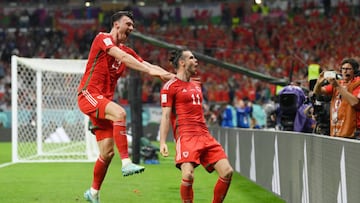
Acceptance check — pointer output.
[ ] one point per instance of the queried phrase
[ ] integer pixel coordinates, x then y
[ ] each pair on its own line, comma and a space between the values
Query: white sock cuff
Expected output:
94, 192
126, 161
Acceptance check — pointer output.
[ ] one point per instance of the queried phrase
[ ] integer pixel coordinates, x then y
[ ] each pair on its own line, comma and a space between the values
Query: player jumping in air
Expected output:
108, 58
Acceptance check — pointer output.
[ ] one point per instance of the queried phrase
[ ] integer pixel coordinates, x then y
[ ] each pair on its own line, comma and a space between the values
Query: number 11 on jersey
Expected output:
196, 99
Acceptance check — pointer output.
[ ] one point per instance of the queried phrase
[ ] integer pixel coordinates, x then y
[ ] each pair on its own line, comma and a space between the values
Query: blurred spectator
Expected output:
344, 107
226, 17
211, 114
258, 114
243, 113
327, 7
228, 117
3, 119
2, 70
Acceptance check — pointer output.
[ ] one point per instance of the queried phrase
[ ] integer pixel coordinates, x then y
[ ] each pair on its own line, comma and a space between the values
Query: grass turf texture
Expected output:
66, 182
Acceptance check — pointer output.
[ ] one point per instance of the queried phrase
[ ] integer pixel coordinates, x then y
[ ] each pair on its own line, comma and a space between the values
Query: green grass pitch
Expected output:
66, 182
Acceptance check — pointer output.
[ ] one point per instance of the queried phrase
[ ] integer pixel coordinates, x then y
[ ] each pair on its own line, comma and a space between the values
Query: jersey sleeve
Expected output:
167, 95
104, 41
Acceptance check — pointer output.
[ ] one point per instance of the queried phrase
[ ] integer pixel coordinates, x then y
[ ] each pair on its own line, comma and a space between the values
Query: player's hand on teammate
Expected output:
157, 71
167, 76
164, 150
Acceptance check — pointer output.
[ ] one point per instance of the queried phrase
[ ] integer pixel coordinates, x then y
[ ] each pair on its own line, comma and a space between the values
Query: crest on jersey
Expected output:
185, 154
198, 89
116, 64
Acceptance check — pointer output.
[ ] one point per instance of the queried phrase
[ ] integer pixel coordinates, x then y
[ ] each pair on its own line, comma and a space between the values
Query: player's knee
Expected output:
188, 176
111, 154
108, 156
228, 172
187, 171
120, 115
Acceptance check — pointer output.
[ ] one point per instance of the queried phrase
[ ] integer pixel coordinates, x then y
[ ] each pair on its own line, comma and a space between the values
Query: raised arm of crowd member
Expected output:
345, 95
343, 91
340, 85
318, 88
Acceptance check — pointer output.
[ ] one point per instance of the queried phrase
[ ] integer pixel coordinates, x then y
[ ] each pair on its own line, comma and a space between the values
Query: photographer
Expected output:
345, 95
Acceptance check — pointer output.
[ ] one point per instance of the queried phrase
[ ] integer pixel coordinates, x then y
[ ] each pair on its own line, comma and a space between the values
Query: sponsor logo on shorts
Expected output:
100, 97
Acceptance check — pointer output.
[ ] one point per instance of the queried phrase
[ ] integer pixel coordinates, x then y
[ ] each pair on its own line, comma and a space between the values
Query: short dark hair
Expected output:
116, 16
354, 63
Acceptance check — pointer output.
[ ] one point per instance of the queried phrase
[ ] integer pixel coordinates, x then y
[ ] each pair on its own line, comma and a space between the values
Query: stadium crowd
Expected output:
277, 42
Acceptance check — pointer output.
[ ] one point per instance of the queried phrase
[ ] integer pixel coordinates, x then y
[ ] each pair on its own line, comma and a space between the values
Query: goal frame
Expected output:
91, 152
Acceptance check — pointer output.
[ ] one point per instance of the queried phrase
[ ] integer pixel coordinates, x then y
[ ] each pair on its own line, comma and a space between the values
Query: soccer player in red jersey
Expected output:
181, 101
108, 58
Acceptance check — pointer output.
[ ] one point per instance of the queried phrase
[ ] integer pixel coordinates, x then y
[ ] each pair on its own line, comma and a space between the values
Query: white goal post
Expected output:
47, 125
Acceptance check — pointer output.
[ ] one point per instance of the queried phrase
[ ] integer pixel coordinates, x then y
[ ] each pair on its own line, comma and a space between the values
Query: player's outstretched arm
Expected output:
164, 130
133, 63
165, 75
128, 59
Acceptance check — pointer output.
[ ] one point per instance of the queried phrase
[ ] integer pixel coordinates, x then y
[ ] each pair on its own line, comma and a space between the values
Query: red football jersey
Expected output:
185, 98
102, 70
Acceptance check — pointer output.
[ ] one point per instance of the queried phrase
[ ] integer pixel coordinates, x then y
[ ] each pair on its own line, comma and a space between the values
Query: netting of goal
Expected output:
47, 125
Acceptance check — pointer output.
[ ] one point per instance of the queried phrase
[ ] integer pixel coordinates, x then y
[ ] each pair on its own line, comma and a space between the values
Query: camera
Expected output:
332, 74
321, 106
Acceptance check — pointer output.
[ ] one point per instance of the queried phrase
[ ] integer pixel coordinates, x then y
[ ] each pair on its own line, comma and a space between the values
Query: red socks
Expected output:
186, 191
119, 132
220, 190
100, 169
101, 166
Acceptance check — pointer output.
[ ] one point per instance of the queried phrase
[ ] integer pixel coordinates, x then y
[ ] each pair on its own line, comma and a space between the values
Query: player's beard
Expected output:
122, 36
192, 70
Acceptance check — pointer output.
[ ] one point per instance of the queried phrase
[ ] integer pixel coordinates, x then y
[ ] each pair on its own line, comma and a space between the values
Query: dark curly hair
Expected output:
354, 64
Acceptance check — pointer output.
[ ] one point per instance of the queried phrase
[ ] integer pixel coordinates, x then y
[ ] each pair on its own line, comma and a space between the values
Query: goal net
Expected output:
47, 125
